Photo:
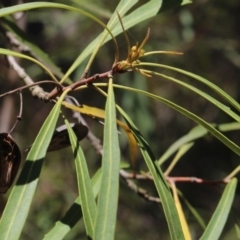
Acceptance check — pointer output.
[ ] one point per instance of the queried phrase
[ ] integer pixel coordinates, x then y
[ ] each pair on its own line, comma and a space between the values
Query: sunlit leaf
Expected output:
108, 195
17, 208
206, 82
169, 207
214, 101
100, 113
234, 147
181, 214
73, 214
88, 203
225, 127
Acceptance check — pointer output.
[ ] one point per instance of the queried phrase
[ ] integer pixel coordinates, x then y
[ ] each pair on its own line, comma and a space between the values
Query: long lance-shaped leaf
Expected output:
210, 127
74, 213
219, 218
89, 207
211, 85
108, 195
28, 6
17, 208
234, 147
146, 11
225, 127
214, 101
169, 207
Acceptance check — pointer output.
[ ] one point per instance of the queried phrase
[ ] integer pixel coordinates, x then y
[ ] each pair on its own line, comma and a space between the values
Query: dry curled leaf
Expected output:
10, 159
60, 138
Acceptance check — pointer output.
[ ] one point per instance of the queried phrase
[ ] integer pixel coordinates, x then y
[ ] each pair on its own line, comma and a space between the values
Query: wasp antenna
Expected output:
145, 39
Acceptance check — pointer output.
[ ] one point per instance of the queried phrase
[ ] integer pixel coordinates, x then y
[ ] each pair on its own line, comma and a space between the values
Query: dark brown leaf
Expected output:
10, 159
61, 139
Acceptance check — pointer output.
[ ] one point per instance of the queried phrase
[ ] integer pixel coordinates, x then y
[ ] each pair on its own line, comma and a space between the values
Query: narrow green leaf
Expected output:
74, 213
219, 218
225, 127
214, 101
108, 195
144, 12
63, 226
234, 147
89, 207
16, 210
165, 195
206, 82
28, 6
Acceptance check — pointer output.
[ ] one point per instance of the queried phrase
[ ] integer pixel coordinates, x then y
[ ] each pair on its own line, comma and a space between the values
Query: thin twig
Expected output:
81, 82
16, 43
36, 90
29, 86
196, 180
144, 176
19, 117
34, 87
141, 191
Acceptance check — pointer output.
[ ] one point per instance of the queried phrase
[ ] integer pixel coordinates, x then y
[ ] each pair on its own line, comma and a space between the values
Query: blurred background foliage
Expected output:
207, 32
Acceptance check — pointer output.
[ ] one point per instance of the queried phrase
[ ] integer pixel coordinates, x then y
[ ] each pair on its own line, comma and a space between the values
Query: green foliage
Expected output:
97, 197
